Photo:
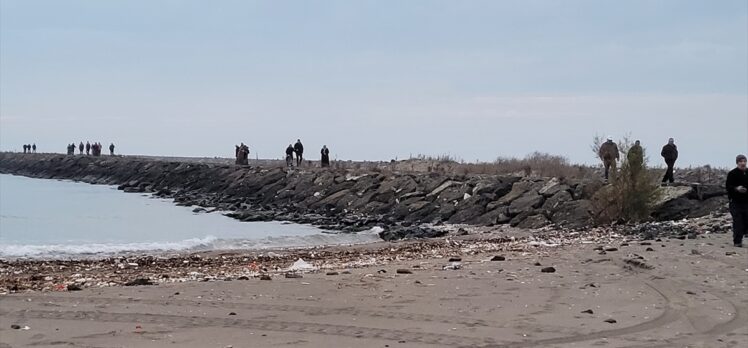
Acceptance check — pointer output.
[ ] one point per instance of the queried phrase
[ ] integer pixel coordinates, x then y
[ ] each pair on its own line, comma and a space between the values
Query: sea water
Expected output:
42, 218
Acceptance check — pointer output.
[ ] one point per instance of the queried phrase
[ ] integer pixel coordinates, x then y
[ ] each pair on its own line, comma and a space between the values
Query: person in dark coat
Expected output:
88, 148
737, 192
670, 154
609, 154
33, 148
299, 150
325, 160
111, 149
635, 157
289, 155
80, 148
24, 148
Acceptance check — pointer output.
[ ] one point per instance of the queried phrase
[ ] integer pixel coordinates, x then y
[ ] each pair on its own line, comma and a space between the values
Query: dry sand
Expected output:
684, 293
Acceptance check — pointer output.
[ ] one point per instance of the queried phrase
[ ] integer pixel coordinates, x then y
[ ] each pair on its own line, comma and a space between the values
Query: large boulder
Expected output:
527, 202
704, 192
469, 209
447, 184
410, 233
552, 187
554, 201
497, 188
586, 189
493, 217
670, 193
534, 221
517, 191
574, 214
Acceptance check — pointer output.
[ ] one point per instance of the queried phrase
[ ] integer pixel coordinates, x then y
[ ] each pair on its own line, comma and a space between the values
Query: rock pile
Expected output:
356, 201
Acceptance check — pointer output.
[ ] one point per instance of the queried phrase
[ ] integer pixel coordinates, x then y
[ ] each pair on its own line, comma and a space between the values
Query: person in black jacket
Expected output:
737, 192
325, 160
289, 156
670, 154
299, 149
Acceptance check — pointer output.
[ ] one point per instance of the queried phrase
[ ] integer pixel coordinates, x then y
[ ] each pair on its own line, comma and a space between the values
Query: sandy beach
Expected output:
667, 293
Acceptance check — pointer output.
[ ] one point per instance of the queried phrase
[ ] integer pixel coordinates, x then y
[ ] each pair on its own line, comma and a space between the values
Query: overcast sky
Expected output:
376, 79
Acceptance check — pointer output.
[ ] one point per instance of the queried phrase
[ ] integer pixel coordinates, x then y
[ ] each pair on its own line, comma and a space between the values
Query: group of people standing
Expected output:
91, 149
29, 148
296, 151
610, 154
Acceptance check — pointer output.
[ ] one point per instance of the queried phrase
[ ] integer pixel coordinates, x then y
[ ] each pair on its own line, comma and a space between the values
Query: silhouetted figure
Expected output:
80, 148
299, 150
609, 155
325, 160
24, 148
289, 155
242, 154
670, 154
88, 148
737, 193
71, 149
635, 157
111, 149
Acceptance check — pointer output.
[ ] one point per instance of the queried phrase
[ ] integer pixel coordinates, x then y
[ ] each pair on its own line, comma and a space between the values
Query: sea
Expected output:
58, 219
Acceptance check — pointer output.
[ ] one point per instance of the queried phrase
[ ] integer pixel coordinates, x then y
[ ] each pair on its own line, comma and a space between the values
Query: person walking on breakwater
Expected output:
88, 148
298, 148
635, 157
325, 160
33, 148
80, 148
111, 149
24, 148
289, 156
609, 154
737, 192
670, 154
242, 154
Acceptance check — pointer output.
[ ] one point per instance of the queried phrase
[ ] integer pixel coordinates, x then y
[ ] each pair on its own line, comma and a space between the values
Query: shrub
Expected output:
631, 193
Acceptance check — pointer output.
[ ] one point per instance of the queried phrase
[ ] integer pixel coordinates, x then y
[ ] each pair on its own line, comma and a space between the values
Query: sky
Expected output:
376, 80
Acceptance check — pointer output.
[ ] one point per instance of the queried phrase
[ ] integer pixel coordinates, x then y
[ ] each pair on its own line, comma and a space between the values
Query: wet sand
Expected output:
682, 293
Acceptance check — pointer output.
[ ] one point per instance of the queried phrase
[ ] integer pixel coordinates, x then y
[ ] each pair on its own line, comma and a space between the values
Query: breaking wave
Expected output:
100, 250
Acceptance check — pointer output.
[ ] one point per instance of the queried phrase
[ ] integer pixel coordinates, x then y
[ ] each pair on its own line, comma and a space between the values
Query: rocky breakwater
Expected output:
398, 202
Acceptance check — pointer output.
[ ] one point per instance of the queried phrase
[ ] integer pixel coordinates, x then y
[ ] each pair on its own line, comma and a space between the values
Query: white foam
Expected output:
98, 250
61, 250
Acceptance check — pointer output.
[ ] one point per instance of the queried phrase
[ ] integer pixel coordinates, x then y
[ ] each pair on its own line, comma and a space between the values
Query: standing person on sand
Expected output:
325, 160
670, 154
737, 192
609, 154
299, 150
